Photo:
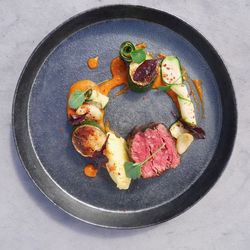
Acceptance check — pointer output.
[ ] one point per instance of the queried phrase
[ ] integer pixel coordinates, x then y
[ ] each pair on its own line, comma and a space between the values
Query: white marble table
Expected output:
221, 220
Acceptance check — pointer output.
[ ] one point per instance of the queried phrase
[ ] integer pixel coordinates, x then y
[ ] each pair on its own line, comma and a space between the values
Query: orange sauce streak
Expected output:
158, 81
93, 62
192, 93
174, 98
107, 126
119, 76
81, 85
198, 86
111, 168
122, 91
90, 171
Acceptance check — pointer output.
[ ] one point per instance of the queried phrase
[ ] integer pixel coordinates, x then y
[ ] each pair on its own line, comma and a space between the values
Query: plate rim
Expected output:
159, 218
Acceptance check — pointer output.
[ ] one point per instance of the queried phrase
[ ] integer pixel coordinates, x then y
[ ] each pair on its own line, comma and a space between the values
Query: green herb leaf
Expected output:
133, 170
138, 56
76, 99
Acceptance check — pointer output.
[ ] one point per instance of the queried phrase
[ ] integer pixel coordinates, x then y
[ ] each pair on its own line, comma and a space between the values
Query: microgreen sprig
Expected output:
78, 97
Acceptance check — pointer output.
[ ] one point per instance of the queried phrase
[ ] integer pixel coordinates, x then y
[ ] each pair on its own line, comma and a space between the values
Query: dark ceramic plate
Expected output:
43, 136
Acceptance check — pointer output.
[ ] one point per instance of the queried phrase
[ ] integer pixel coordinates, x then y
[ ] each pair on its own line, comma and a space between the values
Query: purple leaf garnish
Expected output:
76, 119
197, 132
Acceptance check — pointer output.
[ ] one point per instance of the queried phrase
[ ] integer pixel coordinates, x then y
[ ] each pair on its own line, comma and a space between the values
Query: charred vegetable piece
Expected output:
88, 138
125, 51
142, 76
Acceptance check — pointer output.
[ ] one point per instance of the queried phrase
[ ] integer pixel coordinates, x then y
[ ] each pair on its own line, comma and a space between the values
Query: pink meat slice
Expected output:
147, 142
142, 151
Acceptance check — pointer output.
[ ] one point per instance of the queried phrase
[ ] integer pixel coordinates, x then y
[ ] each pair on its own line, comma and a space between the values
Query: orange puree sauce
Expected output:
93, 62
79, 85
90, 171
119, 76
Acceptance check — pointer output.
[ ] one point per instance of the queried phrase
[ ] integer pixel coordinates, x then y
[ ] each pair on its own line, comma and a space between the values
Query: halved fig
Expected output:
88, 138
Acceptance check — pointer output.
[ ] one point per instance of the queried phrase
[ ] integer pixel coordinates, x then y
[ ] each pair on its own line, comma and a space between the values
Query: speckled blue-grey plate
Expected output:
43, 135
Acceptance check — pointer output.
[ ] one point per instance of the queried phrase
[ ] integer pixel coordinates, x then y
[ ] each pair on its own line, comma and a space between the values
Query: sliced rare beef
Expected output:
144, 141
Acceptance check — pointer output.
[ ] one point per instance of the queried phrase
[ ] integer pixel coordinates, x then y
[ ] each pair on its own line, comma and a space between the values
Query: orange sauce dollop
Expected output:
93, 62
90, 171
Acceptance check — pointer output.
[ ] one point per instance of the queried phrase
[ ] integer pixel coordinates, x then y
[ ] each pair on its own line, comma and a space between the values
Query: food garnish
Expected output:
88, 138
197, 132
151, 149
125, 51
138, 56
78, 97
171, 73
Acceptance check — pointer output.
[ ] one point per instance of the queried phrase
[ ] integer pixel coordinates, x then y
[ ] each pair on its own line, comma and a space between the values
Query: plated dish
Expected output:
85, 47
149, 149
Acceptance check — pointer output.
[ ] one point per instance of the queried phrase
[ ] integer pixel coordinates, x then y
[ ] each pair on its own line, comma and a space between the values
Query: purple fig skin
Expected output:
146, 72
